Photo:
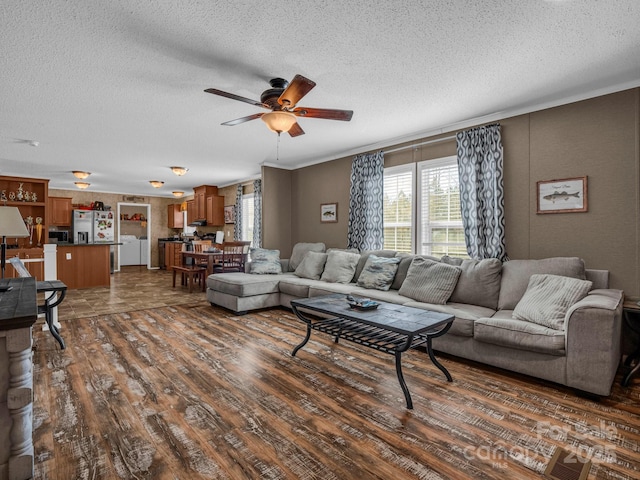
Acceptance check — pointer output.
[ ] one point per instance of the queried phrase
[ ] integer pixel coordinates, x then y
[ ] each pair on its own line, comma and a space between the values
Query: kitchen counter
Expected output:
69, 244
84, 265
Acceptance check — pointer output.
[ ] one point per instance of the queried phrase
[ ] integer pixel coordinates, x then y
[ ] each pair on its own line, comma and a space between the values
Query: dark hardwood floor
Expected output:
187, 391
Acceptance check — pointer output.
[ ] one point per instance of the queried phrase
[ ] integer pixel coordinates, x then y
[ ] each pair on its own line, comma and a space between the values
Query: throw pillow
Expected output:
265, 261
340, 267
365, 254
548, 297
378, 272
479, 282
300, 250
312, 265
429, 282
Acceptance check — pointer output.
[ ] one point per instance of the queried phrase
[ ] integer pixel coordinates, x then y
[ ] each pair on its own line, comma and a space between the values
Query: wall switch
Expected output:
68, 256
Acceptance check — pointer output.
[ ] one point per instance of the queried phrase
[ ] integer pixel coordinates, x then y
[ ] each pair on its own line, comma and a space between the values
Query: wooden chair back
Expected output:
200, 246
233, 258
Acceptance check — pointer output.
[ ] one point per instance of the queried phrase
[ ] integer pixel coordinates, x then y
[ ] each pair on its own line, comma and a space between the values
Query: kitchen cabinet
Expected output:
200, 195
84, 266
175, 219
20, 192
36, 269
60, 211
215, 210
172, 254
191, 211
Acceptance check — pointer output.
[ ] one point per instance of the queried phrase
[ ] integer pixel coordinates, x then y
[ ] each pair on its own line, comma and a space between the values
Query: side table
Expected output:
631, 315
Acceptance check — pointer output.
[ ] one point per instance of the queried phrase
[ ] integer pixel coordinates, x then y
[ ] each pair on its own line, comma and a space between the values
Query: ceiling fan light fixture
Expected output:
156, 183
179, 171
279, 121
177, 194
82, 185
80, 174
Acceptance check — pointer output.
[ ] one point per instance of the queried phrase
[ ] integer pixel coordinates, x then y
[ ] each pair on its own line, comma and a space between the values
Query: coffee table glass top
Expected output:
393, 317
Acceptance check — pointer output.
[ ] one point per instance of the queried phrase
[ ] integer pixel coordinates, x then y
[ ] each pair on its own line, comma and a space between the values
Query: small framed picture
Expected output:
564, 195
229, 214
329, 212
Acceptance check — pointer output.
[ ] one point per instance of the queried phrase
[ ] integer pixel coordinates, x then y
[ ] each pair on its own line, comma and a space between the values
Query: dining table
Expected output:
199, 258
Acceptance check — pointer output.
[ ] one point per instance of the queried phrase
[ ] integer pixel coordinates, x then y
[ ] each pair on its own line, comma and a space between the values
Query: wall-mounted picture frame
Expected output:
329, 212
230, 214
564, 195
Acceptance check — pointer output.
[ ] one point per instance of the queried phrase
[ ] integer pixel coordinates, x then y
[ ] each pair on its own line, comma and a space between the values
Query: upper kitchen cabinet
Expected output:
215, 210
60, 211
200, 195
191, 211
175, 218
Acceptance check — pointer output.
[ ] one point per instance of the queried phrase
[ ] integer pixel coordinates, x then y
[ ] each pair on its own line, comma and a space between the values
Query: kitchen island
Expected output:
84, 265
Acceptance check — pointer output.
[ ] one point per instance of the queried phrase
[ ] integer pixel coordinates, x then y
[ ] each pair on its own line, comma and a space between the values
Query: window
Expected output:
247, 217
440, 221
398, 208
430, 218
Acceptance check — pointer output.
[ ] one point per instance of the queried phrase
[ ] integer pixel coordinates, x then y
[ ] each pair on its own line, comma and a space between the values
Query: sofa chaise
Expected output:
551, 318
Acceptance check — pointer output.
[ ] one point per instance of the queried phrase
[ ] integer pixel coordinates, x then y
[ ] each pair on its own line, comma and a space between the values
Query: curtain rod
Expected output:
399, 149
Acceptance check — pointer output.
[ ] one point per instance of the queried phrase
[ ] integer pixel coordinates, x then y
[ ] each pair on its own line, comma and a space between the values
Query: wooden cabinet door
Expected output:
174, 216
215, 210
191, 211
61, 208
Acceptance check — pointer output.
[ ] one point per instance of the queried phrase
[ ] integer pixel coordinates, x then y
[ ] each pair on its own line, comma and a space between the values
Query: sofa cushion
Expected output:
312, 265
296, 286
340, 267
548, 297
378, 272
430, 282
363, 259
466, 315
245, 284
516, 274
300, 250
265, 261
519, 334
479, 282
390, 296
326, 288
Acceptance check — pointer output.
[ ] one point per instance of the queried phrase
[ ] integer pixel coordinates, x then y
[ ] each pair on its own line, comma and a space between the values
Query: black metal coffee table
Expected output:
390, 328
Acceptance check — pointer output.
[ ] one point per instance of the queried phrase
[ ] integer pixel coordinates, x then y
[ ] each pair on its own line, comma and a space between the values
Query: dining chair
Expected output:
233, 258
200, 246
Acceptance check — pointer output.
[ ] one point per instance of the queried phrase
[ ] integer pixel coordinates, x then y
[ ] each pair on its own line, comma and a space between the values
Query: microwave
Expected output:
58, 237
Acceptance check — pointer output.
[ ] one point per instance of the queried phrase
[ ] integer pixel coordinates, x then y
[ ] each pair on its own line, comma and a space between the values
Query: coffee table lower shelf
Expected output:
374, 336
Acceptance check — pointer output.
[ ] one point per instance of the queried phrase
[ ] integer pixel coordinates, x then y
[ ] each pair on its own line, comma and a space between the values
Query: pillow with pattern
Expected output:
378, 272
265, 261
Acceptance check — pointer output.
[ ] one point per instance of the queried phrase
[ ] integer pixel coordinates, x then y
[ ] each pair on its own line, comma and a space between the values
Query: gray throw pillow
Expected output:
340, 267
300, 250
265, 261
429, 282
479, 282
312, 265
548, 297
378, 272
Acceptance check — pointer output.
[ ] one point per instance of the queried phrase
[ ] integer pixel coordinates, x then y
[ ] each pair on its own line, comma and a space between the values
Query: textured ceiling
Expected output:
116, 87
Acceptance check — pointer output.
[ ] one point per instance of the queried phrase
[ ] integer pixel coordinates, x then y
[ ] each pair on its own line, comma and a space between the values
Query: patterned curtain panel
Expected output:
480, 166
365, 202
257, 214
237, 228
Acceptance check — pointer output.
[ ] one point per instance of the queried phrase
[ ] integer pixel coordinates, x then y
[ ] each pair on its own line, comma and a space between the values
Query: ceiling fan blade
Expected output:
296, 130
297, 89
238, 121
233, 96
329, 114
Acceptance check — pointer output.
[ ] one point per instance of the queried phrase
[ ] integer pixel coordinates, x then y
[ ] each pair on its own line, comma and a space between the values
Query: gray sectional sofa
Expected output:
510, 315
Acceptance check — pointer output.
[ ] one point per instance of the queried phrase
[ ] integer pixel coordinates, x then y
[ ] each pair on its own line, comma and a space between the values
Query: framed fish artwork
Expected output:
329, 212
565, 195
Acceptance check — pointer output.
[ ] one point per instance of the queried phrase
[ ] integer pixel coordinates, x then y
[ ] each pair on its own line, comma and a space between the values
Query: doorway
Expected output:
134, 232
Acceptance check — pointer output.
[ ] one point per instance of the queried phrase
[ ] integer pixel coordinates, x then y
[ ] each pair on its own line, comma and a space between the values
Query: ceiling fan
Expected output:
281, 99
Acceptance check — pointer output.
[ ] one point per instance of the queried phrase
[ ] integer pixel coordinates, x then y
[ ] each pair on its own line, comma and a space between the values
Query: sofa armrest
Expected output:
592, 340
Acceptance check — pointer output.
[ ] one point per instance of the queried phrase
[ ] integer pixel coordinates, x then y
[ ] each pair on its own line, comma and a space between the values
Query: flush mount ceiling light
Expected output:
179, 171
177, 194
82, 185
279, 121
80, 174
156, 183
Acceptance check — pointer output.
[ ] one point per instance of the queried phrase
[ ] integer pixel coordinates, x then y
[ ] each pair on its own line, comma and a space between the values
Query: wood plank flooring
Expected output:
194, 392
